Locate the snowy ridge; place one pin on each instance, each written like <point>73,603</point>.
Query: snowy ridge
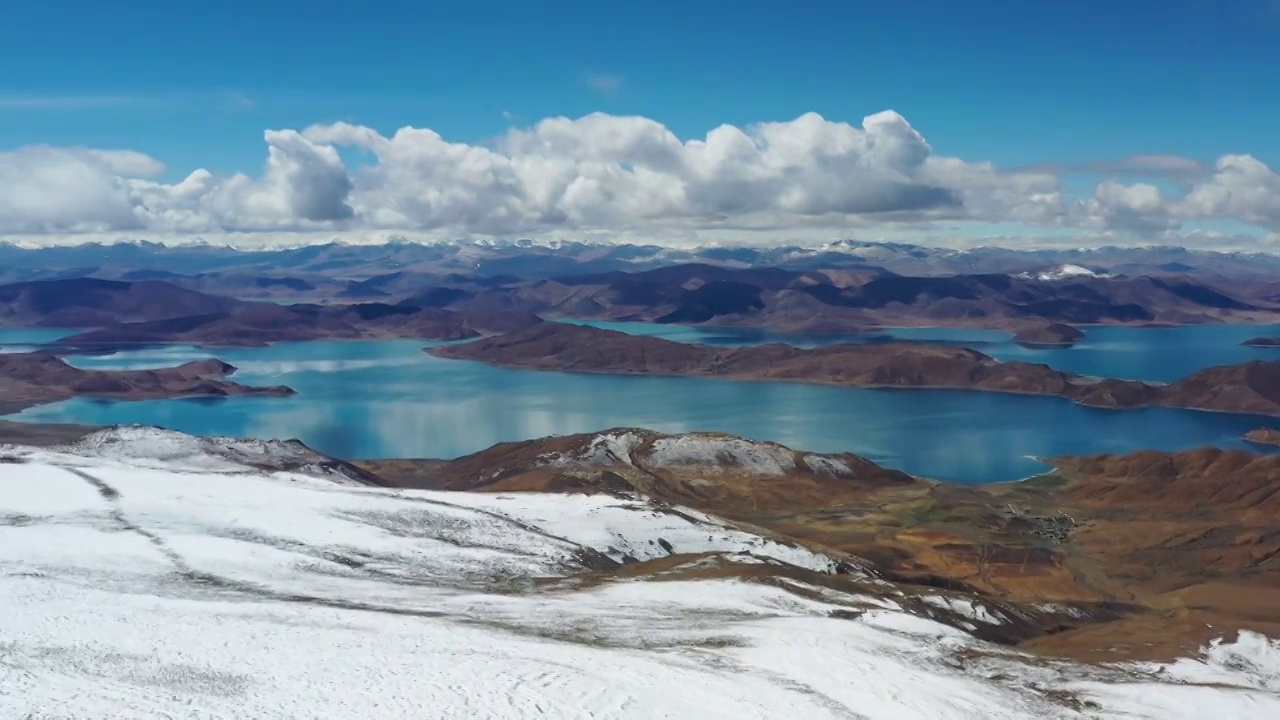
<point>141,446</point>
<point>604,449</point>
<point>709,452</point>
<point>756,458</point>
<point>146,592</point>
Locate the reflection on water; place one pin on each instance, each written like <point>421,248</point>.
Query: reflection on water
<point>389,399</point>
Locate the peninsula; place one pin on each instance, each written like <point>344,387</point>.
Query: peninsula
<point>30,379</point>
<point>1251,388</point>
<point>1263,342</point>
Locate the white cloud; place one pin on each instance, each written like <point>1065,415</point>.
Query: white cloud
<point>129,164</point>
<point>303,186</point>
<point>617,176</point>
<point>1241,188</point>
<point>46,189</point>
<point>1139,208</point>
<point>610,172</point>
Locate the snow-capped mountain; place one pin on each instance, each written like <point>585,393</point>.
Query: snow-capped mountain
<point>1065,271</point>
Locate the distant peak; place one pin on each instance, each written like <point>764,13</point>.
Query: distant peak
<point>1066,271</point>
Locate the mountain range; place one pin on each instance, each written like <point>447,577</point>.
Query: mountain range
<point>531,260</point>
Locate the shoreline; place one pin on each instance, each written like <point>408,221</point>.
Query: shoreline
<point>38,433</point>
<point>833,383</point>
<point>1000,327</point>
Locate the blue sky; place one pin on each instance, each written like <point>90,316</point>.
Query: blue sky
<point>1015,83</point>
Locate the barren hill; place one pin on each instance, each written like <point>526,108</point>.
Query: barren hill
<point>1249,388</point>
<point>28,379</point>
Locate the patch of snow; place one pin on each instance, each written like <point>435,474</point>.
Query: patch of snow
<point>625,528</point>
<point>840,598</point>
<point>157,447</point>
<point>828,465</point>
<point>604,449</point>
<point>1245,674</point>
<point>1065,271</point>
<point>965,608</point>
<point>757,458</point>
<point>150,447</point>
<point>1069,611</point>
<point>1253,654</point>
<point>720,559</point>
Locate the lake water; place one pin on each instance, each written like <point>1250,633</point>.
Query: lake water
<point>389,399</point>
<point>15,340</point>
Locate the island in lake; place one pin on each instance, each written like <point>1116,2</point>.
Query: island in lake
<point>1051,335</point>
<point>1263,436</point>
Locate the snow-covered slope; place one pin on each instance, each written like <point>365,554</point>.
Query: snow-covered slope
<point>705,453</point>
<point>213,592</point>
<point>626,529</point>
<point>141,446</point>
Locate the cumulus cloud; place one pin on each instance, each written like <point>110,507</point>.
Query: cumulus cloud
<point>604,171</point>
<point>618,176</point>
<point>1139,208</point>
<point>1241,188</point>
<point>46,189</point>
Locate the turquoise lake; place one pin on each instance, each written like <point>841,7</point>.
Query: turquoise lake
<point>389,399</point>
<point>27,339</point>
